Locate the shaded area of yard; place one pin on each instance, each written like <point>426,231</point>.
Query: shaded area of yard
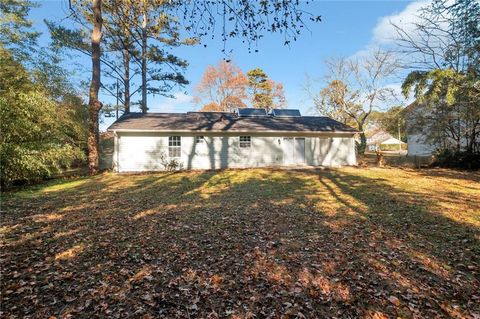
<point>238,243</point>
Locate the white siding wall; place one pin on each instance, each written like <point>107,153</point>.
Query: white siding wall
<point>142,151</point>
<point>418,146</point>
<point>331,151</point>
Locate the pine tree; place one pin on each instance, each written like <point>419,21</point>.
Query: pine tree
<point>264,92</point>
<point>260,89</point>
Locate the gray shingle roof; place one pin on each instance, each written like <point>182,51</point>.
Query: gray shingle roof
<point>222,121</point>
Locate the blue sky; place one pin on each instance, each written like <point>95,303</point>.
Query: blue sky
<point>347,28</point>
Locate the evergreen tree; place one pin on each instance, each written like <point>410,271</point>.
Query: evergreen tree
<point>138,68</point>
<point>265,93</point>
<point>260,88</point>
<point>15,28</point>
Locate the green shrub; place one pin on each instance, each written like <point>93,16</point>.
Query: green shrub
<point>454,159</point>
<point>33,141</point>
<point>41,132</point>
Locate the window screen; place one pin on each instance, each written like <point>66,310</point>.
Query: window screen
<point>174,146</point>
<point>245,141</point>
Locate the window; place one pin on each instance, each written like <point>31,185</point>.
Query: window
<point>174,146</point>
<point>245,141</point>
<point>199,139</point>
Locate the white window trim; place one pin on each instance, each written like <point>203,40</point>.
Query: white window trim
<point>175,147</point>
<point>199,139</point>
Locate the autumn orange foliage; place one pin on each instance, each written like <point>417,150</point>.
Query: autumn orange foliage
<point>223,86</point>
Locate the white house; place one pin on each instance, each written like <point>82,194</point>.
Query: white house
<point>418,143</point>
<point>376,138</point>
<point>429,131</point>
<point>212,140</point>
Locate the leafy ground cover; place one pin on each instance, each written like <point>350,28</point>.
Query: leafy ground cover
<point>254,243</point>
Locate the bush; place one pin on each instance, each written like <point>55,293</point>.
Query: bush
<point>455,159</point>
<point>170,164</point>
<point>173,165</point>
<point>33,142</point>
<point>41,133</point>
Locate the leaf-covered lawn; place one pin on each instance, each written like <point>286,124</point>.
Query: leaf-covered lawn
<point>245,244</point>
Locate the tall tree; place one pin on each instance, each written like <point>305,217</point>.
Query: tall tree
<point>444,51</point>
<point>449,115</point>
<point>222,88</point>
<point>94,104</point>
<point>226,88</point>
<point>116,61</point>
<point>152,30</point>
<point>261,88</point>
<point>264,92</point>
<point>356,87</point>
<point>445,35</point>
<point>130,49</point>
<point>278,95</point>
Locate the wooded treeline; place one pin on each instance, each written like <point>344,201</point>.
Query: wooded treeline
<point>445,82</point>
<point>42,115</point>
<point>439,57</point>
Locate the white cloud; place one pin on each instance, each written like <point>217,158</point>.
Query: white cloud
<point>384,32</point>
<point>180,103</point>
<point>383,37</point>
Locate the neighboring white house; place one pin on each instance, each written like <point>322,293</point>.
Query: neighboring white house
<point>377,137</point>
<point>427,131</point>
<point>418,145</point>
<point>212,140</point>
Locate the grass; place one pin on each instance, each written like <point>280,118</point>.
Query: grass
<point>373,243</point>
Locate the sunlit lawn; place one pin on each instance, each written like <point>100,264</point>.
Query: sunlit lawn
<point>245,244</point>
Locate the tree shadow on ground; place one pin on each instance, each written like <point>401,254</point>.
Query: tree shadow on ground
<point>453,174</point>
<point>237,243</point>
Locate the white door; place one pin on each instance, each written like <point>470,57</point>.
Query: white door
<point>299,150</point>
<point>293,150</point>
<point>288,151</point>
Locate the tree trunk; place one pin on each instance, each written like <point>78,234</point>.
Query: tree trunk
<point>94,105</point>
<point>471,140</point>
<point>363,140</point>
<point>363,143</point>
<point>126,80</point>
<point>144,64</point>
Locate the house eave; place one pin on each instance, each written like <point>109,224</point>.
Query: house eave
<point>233,132</point>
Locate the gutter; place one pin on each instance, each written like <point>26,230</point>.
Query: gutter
<point>231,132</point>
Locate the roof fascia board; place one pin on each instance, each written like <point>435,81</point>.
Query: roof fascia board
<point>232,132</point>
